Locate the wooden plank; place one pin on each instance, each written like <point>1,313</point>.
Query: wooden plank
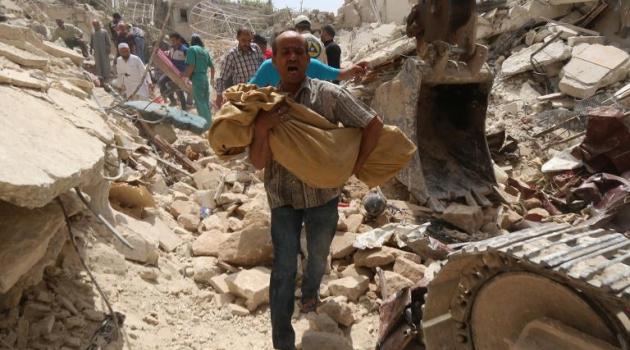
<point>166,147</point>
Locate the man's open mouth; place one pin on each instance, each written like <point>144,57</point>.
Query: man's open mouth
<point>292,69</point>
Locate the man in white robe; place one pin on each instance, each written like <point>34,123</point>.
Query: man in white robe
<point>130,71</point>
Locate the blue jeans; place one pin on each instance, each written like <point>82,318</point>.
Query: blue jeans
<point>286,225</point>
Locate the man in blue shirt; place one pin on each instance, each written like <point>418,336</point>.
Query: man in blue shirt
<point>177,54</point>
<point>267,74</point>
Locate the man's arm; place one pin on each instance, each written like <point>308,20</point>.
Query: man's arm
<point>260,78</point>
<point>353,71</point>
<point>259,151</point>
<point>227,70</point>
<point>56,35</point>
<point>369,139</point>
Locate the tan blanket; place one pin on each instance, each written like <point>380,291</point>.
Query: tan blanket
<point>318,152</point>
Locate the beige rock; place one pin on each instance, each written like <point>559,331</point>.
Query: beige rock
<point>23,58</point>
<point>230,198</point>
<point>219,284</point>
<point>205,198</point>
<point>253,285</point>
<point>351,287</point>
<point>140,235</point>
<point>323,323</point>
<point>519,62</point>
<point>338,309</point>
<point>532,203</point>
<point>167,239</point>
<point>353,222</point>
<point>409,269</point>
<point>313,340</point>
<point>467,218</point>
<point>189,221</point>
<point>214,222</point>
<point>508,218</point>
<point>249,247</point>
<point>184,188</point>
<point>393,283</point>
<point>375,257</point>
<point>205,268</point>
<point>342,245</point>
<point>26,234</point>
<point>353,270</point>
<point>254,207</point>
<point>103,258</point>
<point>224,299</point>
<point>180,207</point>
<point>61,52</point>
<point>207,179</point>
<point>208,244</point>
<point>234,224</point>
<point>238,310</point>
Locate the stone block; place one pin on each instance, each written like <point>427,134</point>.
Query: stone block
<point>409,269</point>
<point>338,309</point>
<point>208,244</point>
<point>252,285</point>
<point>205,268</point>
<point>465,217</point>
<point>350,287</point>
<point>342,245</point>
<point>375,257</point>
<point>23,58</point>
<point>249,247</point>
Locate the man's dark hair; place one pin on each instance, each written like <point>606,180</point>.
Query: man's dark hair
<point>116,15</point>
<point>274,42</point>
<point>260,40</point>
<point>330,30</point>
<point>242,30</point>
<point>196,40</point>
<point>175,36</point>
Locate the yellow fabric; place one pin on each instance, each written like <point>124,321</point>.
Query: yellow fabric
<point>320,153</point>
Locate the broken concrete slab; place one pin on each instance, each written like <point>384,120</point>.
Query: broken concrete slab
<point>22,79</point>
<point>24,240</point>
<point>253,285</point>
<point>351,287</point>
<point>393,283</point>
<point>23,58</point>
<point>591,68</point>
<point>39,164</point>
<point>577,40</point>
<point>520,62</point>
<point>219,284</point>
<point>62,52</point>
<point>139,234</point>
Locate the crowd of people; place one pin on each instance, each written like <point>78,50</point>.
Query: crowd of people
<point>250,61</point>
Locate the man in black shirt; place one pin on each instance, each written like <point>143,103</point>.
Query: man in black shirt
<point>333,51</point>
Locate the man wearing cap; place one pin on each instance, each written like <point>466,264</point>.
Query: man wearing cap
<point>71,36</point>
<point>316,48</point>
<point>240,64</point>
<point>131,75</point>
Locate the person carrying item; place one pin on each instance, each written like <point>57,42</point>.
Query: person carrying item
<point>177,55</point>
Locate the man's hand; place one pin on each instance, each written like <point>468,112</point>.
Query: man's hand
<point>356,70</point>
<point>218,102</point>
<point>267,120</point>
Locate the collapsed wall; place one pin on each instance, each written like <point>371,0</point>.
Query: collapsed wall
<point>52,139</point>
<point>355,12</point>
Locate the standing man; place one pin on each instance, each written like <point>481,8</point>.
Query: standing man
<point>123,36</point>
<point>316,48</point>
<point>262,43</point>
<point>71,36</point>
<point>240,63</point>
<point>100,44</point>
<point>131,75</point>
<point>138,39</point>
<point>292,202</point>
<point>177,55</point>
<point>198,61</point>
<point>113,25</point>
<point>333,51</point>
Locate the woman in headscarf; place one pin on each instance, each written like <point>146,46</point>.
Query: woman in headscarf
<point>198,60</point>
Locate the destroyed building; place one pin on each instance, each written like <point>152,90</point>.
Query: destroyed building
<point>533,156</point>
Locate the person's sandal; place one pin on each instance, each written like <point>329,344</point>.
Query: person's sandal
<point>309,305</point>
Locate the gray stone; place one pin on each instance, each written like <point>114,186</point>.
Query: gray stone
<point>520,62</point>
<point>577,40</point>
